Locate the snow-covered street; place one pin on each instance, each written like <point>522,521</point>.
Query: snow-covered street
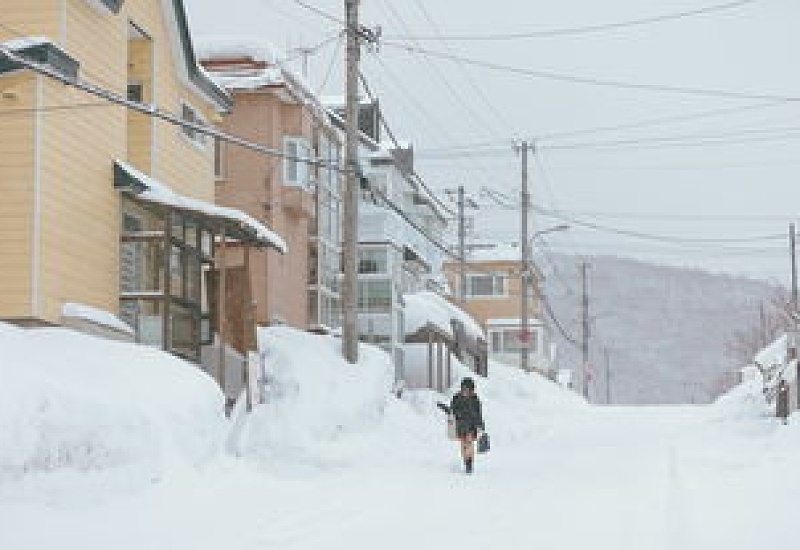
<point>93,456</point>
<point>613,478</point>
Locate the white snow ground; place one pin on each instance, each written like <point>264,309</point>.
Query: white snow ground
<point>351,467</point>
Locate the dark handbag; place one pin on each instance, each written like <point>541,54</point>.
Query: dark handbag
<point>483,443</point>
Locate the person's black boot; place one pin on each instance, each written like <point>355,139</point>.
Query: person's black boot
<point>468,464</point>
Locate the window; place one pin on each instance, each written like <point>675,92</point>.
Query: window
<point>296,171</point>
<point>136,92</point>
<point>508,340</point>
<point>373,261</point>
<point>219,159</point>
<point>486,285</point>
<point>190,114</point>
<point>375,296</point>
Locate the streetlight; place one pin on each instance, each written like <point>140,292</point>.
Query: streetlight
<point>525,278</point>
<point>537,234</point>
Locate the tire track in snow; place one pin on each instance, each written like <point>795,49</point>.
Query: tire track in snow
<point>679,520</point>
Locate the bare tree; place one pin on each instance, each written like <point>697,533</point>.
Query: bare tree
<point>774,318</point>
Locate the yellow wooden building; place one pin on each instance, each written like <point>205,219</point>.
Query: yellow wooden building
<point>102,205</point>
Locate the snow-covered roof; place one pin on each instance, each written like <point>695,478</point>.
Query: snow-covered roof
<point>96,316</point>
<point>512,322</point>
<point>502,252</point>
<point>273,70</point>
<point>233,46</point>
<point>157,192</point>
<point>424,308</point>
<point>28,42</point>
<point>271,76</point>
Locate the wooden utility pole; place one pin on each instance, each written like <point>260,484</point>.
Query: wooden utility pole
<point>462,248</point>
<point>793,251</point>
<point>586,329</point>
<point>525,261</point>
<point>351,188</point>
<point>607,357</point>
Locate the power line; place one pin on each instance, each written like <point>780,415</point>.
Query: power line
<point>475,116</point>
<point>396,143</point>
<point>777,135</point>
<point>410,97</point>
<point>54,108</point>
<point>156,112</point>
<point>589,81</point>
<point>300,52</point>
<point>465,71</point>
<point>629,233</point>
<point>601,27</point>
<point>652,237</point>
<point>332,63</point>
<point>322,13</point>
<point>551,314</point>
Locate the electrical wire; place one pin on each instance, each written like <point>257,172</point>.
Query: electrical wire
<point>635,234</point>
<point>320,12</point>
<point>490,105</point>
<point>396,143</point>
<point>408,96</point>
<point>476,117</point>
<point>156,112</point>
<point>331,64</point>
<point>587,29</point>
<point>590,81</point>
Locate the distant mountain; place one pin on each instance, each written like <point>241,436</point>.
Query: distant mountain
<point>665,328</point>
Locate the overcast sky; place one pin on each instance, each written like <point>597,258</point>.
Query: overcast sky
<point>724,167</point>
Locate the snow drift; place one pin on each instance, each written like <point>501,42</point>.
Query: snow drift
<point>322,411</point>
<point>72,402</point>
<point>313,397</point>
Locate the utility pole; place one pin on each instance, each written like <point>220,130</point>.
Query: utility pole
<point>607,356</point>
<point>351,188</point>
<point>793,341</point>
<point>462,251</point>
<point>586,329</point>
<point>525,261</point>
<point>793,251</point>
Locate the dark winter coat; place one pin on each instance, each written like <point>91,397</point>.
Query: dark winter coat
<point>467,410</point>
<point>782,401</point>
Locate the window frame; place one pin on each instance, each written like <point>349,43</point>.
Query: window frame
<point>191,114</point>
<point>302,149</point>
<point>497,278</point>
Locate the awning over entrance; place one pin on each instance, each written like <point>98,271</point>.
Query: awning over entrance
<point>147,189</point>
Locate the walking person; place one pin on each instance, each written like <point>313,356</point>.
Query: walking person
<point>466,407</point>
<point>782,402</point>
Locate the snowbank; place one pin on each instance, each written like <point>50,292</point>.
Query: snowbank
<point>324,412</point>
<point>744,401</point>
<point>313,397</point>
<point>75,403</point>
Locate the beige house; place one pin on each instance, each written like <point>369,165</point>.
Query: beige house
<point>300,200</point>
<point>103,206</point>
<point>492,297</point>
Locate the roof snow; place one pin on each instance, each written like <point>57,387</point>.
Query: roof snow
<point>96,316</point>
<point>503,252</point>
<point>424,308</point>
<point>227,46</point>
<point>159,193</point>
